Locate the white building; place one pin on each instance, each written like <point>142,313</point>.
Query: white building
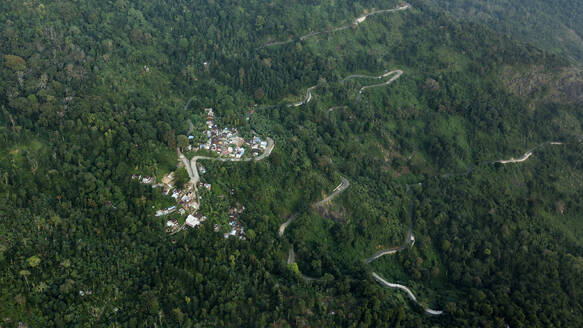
<point>192,221</point>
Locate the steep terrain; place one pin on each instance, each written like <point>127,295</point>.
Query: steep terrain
<point>433,148</point>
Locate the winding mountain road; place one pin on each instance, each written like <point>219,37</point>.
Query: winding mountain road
<point>192,168</point>
<point>343,186</point>
<point>384,252</point>
<point>306,100</point>
<point>355,22</point>
<point>407,290</point>
<point>391,80</point>
<point>291,258</point>
<point>284,225</point>
<point>308,97</point>
<point>528,153</point>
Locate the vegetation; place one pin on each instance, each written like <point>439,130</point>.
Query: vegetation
<point>555,26</point>
<point>93,92</point>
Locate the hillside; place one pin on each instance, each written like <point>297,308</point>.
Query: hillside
<point>555,26</point>
<point>404,144</point>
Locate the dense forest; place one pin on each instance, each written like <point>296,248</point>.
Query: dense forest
<point>556,26</point>
<point>92,93</point>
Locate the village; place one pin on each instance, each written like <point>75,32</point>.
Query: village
<point>226,144</point>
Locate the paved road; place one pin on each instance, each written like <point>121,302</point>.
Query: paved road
<point>192,168</point>
<point>408,239</point>
<point>407,290</point>
<point>284,225</point>
<point>361,76</point>
<point>343,186</point>
<point>190,125</point>
<point>291,256</point>
<point>355,22</point>
<point>306,100</point>
<point>185,161</point>
<point>528,153</point>
<point>384,252</point>
<point>391,80</point>
<point>335,108</point>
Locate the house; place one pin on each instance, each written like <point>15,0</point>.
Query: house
<point>239,152</point>
<point>237,141</point>
<point>192,221</point>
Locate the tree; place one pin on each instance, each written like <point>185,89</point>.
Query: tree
<point>181,177</point>
<point>182,141</point>
<point>33,261</point>
<point>15,63</point>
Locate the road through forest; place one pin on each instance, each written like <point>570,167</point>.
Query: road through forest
<point>355,22</point>
<point>192,168</point>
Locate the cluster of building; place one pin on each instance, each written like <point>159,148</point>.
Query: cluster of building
<point>143,179</point>
<point>195,219</point>
<point>166,211</point>
<point>185,198</point>
<point>226,142</point>
<point>235,224</point>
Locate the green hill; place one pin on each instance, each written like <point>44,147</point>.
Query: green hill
<point>92,93</point>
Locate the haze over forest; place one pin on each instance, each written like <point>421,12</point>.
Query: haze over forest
<point>369,163</point>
